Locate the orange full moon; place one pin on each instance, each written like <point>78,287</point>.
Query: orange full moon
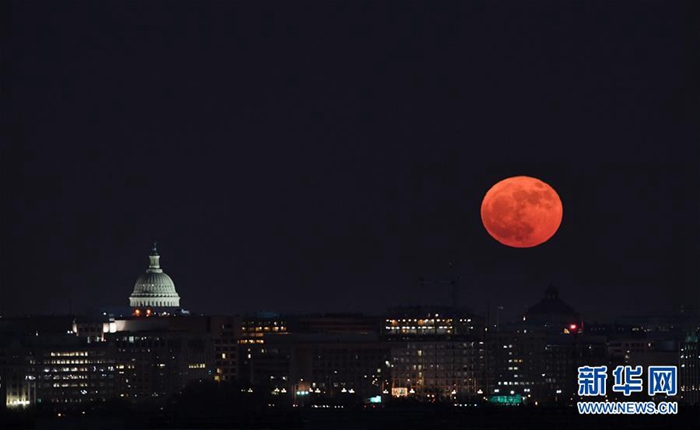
<point>521,212</point>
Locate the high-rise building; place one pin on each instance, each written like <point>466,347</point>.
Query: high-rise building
<point>254,331</point>
<point>517,363</point>
<point>225,333</point>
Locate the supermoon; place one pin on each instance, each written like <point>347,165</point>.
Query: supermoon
<point>521,212</point>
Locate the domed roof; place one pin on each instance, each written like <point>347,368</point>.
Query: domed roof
<point>154,288</point>
<point>154,285</point>
<point>551,304</point>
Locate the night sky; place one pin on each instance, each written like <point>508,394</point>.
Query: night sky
<point>322,156</point>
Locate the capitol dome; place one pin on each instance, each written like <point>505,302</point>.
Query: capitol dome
<point>154,288</point>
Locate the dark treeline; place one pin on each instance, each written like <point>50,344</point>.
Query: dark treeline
<point>209,405</point>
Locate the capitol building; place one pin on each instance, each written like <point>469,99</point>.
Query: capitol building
<point>154,289</point>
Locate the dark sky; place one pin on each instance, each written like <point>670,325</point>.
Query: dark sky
<point>321,156</point>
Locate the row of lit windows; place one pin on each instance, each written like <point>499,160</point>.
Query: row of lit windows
<point>66,385</point>
<point>443,384</point>
<point>441,345</point>
<point>197,366</point>
<point>92,361</point>
<point>264,322</point>
<point>70,354</point>
<point>431,373</point>
<point>265,328</point>
<point>66,376</point>
<point>419,320</point>
<point>67,369</point>
<point>439,358</point>
<point>76,400</point>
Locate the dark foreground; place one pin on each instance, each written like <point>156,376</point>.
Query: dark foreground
<point>393,417</point>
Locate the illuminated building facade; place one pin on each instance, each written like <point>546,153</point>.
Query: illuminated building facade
<point>269,361</point>
<point>340,366</point>
<point>518,365</point>
<point>439,369</point>
<point>343,365</point>
<point>17,375</point>
<point>92,330</point>
<point>255,328</point>
<point>225,333</point>
<point>436,353</point>
<point>539,365</point>
<point>429,354</point>
<point>409,322</point>
<point>154,365</point>
<point>75,375</point>
<point>61,370</point>
<point>159,355</point>
<point>18,389</point>
<point>154,289</point>
<point>269,366</point>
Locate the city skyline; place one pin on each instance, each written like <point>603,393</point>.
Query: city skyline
<point>149,356</point>
<point>349,214</point>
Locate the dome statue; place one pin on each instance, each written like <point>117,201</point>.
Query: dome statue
<point>154,288</point>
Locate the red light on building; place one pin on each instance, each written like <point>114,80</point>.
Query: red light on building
<point>148,312</point>
<point>137,312</point>
<point>573,327</point>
